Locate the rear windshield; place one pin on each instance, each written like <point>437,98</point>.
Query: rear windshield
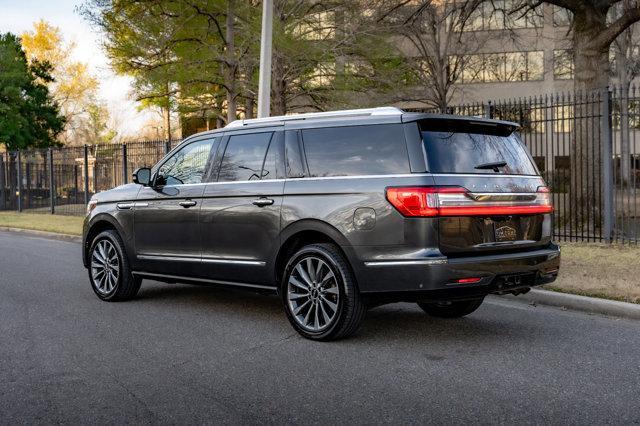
<point>456,152</point>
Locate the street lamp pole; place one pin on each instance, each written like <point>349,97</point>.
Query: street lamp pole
<point>266,41</point>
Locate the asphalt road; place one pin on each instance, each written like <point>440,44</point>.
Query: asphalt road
<point>187,354</point>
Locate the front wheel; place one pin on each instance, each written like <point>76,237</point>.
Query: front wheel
<point>320,295</point>
<point>451,309</point>
<point>109,271</point>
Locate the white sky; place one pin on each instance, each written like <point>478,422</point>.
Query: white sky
<point>17,16</point>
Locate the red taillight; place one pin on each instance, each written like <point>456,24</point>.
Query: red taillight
<point>431,201</point>
<point>470,280</point>
<point>418,201</point>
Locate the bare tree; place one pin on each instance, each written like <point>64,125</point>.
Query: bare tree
<point>438,47</point>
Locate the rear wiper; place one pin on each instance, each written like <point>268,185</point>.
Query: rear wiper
<point>494,166</point>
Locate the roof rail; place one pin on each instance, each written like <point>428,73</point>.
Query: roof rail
<point>317,115</point>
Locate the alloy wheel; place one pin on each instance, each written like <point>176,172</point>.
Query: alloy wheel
<point>313,294</point>
<point>105,267</point>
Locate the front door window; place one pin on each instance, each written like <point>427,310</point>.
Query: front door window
<point>187,166</point>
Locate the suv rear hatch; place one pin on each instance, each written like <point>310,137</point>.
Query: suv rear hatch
<point>488,195</point>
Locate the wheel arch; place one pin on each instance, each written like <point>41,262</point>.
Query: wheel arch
<point>98,224</point>
<point>309,231</point>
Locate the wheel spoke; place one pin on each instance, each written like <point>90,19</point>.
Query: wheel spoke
<point>296,296</point>
<point>326,317</point>
<point>303,274</point>
<point>306,317</point>
<point>97,256</point>
<point>301,307</point>
<point>327,278</point>
<point>332,305</point>
<point>293,280</point>
<point>103,252</point>
<point>311,269</point>
<point>331,290</point>
<point>316,323</point>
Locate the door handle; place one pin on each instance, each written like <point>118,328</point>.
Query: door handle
<point>262,202</point>
<point>188,203</point>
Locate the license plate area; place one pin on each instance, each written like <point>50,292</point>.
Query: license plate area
<point>505,230</point>
<point>516,280</point>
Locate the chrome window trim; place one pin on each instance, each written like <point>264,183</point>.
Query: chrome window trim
<point>404,175</point>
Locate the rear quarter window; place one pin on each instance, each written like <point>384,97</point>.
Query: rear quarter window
<point>356,150</point>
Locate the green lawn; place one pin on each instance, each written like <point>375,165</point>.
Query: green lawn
<point>598,270</point>
<point>71,225</point>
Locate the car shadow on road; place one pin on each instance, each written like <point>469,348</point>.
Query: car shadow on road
<point>394,322</point>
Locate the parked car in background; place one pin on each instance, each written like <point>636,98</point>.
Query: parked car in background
<point>336,212</point>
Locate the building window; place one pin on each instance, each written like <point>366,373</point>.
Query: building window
<point>501,67</point>
<point>562,17</point>
<point>563,64</point>
<point>496,15</point>
<point>563,119</point>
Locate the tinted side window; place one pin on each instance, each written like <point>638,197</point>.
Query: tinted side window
<point>269,169</point>
<point>356,150</point>
<point>293,162</point>
<point>244,157</point>
<point>186,166</point>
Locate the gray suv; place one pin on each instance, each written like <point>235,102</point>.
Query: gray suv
<point>335,212</point>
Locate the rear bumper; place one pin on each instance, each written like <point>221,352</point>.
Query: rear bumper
<point>433,278</point>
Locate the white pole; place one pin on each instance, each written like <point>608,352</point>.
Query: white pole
<point>264,87</point>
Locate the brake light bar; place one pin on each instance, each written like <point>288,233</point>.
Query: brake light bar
<point>433,201</point>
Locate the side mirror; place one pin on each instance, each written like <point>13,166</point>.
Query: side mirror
<point>142,176</point>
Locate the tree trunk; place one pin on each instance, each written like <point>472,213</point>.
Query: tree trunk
<point>278,86</point>
<point>591,77</point>
<point>167,121</point>
<point>248,108</point>
<point>231,65</point>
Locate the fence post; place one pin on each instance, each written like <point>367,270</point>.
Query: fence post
<point>488,110</point>
<point>3,201</point>
<point>167,147</point>
<point>52,184</point>
<point>607,167</point>
<point>85,174</point>
<point>19,168</point>
<point>125,173</point>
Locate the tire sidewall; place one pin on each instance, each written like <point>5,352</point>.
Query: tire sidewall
<point>340,275</point>
<point>107,235</point>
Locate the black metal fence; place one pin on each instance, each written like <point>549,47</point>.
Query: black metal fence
<point>61,180</point>
<point>596,199</point>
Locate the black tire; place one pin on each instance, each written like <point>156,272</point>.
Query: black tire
<point>125,285</point>
<point>451,309</point>
<point>341,288</point>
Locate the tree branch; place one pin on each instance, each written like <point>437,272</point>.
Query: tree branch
<point>606,37</point>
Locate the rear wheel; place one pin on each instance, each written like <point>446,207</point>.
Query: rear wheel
<point>109,271</point>
<point>319,294</point>
<point>450,309</point>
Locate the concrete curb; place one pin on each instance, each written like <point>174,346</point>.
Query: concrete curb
<point>43,234</point>
<point>579,303</point>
